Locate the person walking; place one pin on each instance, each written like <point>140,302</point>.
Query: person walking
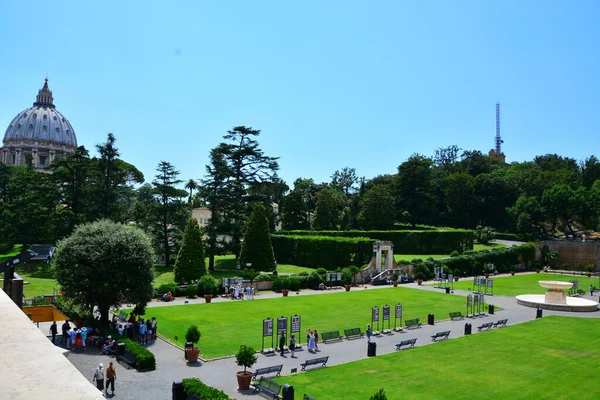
<point>310,339</point>
<point>65,332</point>
<point>111,375</point>
<point>369,332</point>
<point>292,345</point>
<point>316,339</point>
<point>99,377</point>
<point>53,331</point>
<point>282,342</point>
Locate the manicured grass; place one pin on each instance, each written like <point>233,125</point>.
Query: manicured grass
<point>227,325</point>
<point>526,283</point>
<point>224,267</point>
<point>290,269</point>
<point>39,287</point>
<point>15,250</point>
<point>549,358</point>
<point>410,257</point>
<point>490,246</point>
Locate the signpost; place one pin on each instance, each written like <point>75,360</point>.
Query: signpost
<point>398,317</point>
<point>386,317</point>
<point>267,331</point>
<point>295,327</point>
<point>375,319</point>
<point>469,306</point>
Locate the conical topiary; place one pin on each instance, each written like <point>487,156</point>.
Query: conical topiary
<point>256,248</point>
<point>190,264</point>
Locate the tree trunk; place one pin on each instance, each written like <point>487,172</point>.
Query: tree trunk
<point>103,313</point>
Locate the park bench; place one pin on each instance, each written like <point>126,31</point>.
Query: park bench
<point>412,323</point>
<point>409,342</point>
<point>307,397</point>
<point>268,386</point>
<point>123,315</point>
<point>314,361</point>
<point>332,335</point>
<point>487,325</point>
<point>438,335</point>
<point>354,332</point>
<point>456,315</point>
<point>128,358</point>
<point>267,370</point>
<point>500,323</point>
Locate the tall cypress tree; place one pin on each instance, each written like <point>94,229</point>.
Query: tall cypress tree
<point>256,247</point>
<point>190,264</point>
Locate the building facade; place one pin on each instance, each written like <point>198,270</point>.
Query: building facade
<point>40,131</point>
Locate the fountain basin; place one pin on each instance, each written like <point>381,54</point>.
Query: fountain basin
<point>556,285</point>
<point>574,304</point>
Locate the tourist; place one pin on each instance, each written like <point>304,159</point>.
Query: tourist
<point>143,331</point>
<point>252,293</point>
<point>369,332</point>
<point>84,332</point>
<point>226,290</point>
<point>282,342</point>
<point>78,340</point>
<point>592,290</point>
<point>248,290</point>
<point>316,334</point>
<point>99,377</point>
<point>53,331</point>
<point>72,335</point>
<point>154,325</point>
<point>310,339</point>
<point>65,332</point>
<point>111,375</point>
<point>148,331</point>
<point>292,345</point>
<point>108,345</point>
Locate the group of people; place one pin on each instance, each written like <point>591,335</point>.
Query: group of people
<point>238,292</point>
<point>143,331</point>
<point>72,337</point>
<point>110,374</point>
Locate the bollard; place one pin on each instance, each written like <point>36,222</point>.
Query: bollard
<point>491,309</point>
<point>178,393</point>
<point>447,290</point>
<point>538,313</point>
<point>430,319</point>
<point>371,349</point>
<point>467,329</point>
<point>288,392</point>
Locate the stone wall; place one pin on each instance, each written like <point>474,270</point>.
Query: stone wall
<point>574,253</point>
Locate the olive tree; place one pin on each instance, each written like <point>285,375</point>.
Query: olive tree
<point>103,260</point>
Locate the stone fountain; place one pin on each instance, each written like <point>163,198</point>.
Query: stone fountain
<point>556,299</point>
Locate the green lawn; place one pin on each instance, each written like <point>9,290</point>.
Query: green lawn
<point>39,287</point>
<point>224,267</point>
<point>476,247</point>
<point>491,246</point>
<point>525,361</point>
<point>15,250</point>
<point>227,325</point>
<point>290,269</point>
<point>526,283</point>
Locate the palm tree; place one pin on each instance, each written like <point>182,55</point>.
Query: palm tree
<point>191,185</point>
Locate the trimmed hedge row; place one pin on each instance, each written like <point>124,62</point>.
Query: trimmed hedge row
<point>197,387</point>
<point>322,251</point>
<point>504,259</point>
<point>144,358</point>
<point>411,242</point>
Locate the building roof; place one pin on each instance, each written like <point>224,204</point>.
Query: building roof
<point>41,123</point>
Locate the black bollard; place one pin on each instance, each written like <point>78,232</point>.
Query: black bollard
<point>538,313</point>
<point>490,309</point>
<point>178,392</point>
<point>467,329</point>
<point>288,392</point>
<point>430,319</point>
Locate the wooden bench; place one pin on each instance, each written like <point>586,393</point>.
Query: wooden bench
<point>332,335</point>
<point>487,325</point>
<point>439,335</point>
<point>307,397</point>
<point>314,361</point>
<point>412,323</point>
<point>267,370</point>
<point>409,342</point>
<point>268,386</point>
<point>456,315</point>
<point>354,332</point>
<point>500,323</point>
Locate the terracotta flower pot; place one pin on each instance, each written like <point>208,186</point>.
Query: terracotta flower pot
<point>347,287</point>
<point>285,292</point>
<point>395,283</point>
<point>512,273</point>
<point>419,281</point>
<point>244,379</point>
<point>192,354</point>
<point>208,297</point>
<point>456,279</point>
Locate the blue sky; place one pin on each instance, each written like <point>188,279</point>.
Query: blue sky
<point>329,83</point>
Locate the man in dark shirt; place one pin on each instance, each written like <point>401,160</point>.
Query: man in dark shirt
<point>53,331</point>
<point>65,332</point>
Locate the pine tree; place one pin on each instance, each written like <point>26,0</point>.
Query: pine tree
<point>189,264</point>
<point>256,248</point>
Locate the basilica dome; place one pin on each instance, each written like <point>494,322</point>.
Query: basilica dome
<point>41,131</point>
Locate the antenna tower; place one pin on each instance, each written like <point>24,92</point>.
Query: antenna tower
<point>499,140</point>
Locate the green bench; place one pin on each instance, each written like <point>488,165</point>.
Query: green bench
<point>307,397</point>
<point>332,335</point>
<point>314,361</point>
<point>409,343</point>
<point>456,315</point>
<point>500,323</point>
<point>412,323</point>
<point>268,386</point>
<point>439,335</point>
<point>353,332</point>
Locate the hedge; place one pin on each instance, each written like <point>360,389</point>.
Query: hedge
<point>411,242</point>
<point>505,259</point>
<point>197,387</point>
<point>144,358</point>
<point>322,251</point>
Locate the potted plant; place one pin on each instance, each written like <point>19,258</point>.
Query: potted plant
<point>192,336</point>
<point>512,272</point>
<point>395,276</point>
<point>285,286</point>
<point>346,279</point>
<point>456,274</point>
<point>246,358</point>
<point>190,291</point>
<point>209,287</point>
<point>589,268</point>
<point>420,278</point>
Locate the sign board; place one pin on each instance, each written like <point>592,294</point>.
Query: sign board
<point>240,281</point>
<point>386,312</point>
<point>339,276</point>
<point>328,277</point>
<point>476,300</point>
<point>295,324</point>
<point>399,311</point>
<point>469,299</point>
<point>375,314</point>
<point>225,280</point>
<point>281,325</point>
<point>267,327</point>
<point>490,283</point>
<point>232,281</point>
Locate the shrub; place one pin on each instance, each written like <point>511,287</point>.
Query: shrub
<point>380,395</point>
<point>246,357</point>
<point>192,334</point>
<point>456,272</point>
<point>263,277</point>
<point>189,264</point>
<point>190,291</point>
<point>303,273</point>
<point>346,276</point>
<point>207,285</point>
<point>321,271</point>
<point>197,387</point>
<point>45,272</point>
<point>455,254</point>
<point>166,288</point>
<point>144,358</point>
<point>256,247</point>
<point>281,283</point>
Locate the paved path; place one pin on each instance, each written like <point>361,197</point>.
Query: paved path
<point>171,365</point>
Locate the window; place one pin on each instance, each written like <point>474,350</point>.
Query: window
<point>43,160</point>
